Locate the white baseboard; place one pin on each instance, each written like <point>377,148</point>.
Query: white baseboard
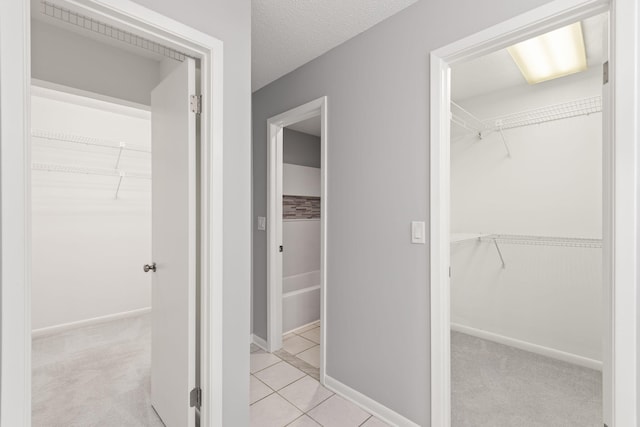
<point>259,342</point>
<point>371,406</point>
<point>530,347</point>
<point>300,291</point>
<point>302,327</point>
<point>50,330</point>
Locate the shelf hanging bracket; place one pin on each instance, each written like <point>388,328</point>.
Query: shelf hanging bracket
<point>495,242</point>
<point>122,145</point>
<point>122,175</point>
<point>504,140</point>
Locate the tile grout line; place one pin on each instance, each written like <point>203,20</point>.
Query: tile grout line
<point>365,421</point>
<point>303,412</point>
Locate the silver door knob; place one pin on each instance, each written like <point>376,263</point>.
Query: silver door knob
<point>148,267</point>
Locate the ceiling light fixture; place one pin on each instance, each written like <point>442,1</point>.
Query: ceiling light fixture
<point>555,54</point>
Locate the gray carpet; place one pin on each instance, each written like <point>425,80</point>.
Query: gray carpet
<point>94,376</point>
<point>500,386</point>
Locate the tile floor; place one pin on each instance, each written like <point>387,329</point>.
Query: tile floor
<point>285,390</point>
<point>304,344</point>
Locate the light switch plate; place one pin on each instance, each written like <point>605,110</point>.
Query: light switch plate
<point>418,232</point>
<point>262,223</point>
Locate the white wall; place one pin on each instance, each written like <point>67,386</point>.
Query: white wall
<point>300,180</point>
<point>301,261</point>
<point>89,248</point>
<point>72,59</point>
<point>551,186</point>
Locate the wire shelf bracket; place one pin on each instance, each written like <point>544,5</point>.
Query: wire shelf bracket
<point>466,120</point>
<point>122,175</point>
<point>495,243</point>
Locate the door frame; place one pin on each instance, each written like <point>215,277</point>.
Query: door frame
<point>620,238</point>
<point>15,170</point>
<point>275,126</point>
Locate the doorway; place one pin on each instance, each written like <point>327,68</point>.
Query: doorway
<point>526,284</point>
<point>181,104</point>
<point>126,189</point>
<point>302,213</point>
<point>617,391</point>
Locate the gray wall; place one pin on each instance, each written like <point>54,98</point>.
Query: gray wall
<point>300,148</point>
<point>230,21</point>
<point>67,58</point>
<point>378,170</point>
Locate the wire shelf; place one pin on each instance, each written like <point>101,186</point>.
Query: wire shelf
<point>466,120</point>
<point>573,242</point>
<point>91,24</point>
<point>53,167</point>
<point>565,110</point>
<point>87,140</point>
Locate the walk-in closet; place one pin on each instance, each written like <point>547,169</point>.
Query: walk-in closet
<point>526,236</point>
<point>100,122</point>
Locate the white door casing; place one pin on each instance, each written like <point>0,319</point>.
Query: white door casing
<point>275,126</point>
<point>173,231</point>
<point>608,190</point>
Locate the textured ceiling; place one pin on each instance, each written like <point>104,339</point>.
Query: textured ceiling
<point>497,70</point>
<point>289,33</point>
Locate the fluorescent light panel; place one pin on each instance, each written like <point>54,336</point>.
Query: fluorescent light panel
<point>555,54</point>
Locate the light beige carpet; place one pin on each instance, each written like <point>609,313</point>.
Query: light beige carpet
<point>494,385</point>
<point>94,376</point>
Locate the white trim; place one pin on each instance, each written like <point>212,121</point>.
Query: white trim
<point>63,327</point>
<point>259,342</point>
<point>530,347</point>
<point>385,414</point>
<point>15,202</point>
<point>300,291</point>
<point>300,328</point>
<point>274,221</point>
<point>15,75</point>
<point>624,72</point>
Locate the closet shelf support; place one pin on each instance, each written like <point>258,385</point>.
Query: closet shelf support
<point>122,174</point>
<point>122,145</point>
<point>495,242</point>
<point>504,141</point>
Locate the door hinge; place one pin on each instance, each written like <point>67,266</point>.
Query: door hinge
<point>195,397</point>
<point>605,73</point>
<point>196,104</point>
<point>281,248</point>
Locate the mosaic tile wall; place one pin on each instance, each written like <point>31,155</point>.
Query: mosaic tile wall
<point>300,207</point>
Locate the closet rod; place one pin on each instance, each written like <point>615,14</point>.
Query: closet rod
<point>52,167</point>
<point>70,17</point>
<point>86,140</point>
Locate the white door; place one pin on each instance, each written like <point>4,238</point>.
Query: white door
<point>173,247</point>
